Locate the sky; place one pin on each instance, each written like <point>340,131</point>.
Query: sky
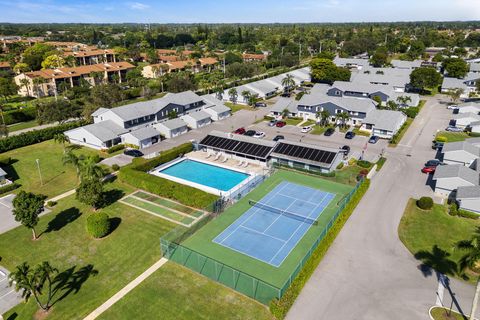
<point>234,11</point>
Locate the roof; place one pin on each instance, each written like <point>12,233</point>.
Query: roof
<point>103,131</point>
<point>466,115</point>
<point>144,133</point>
<point>198,115</point>
<point>457,171</point>
<point>4,64</point>
<point>262,87</point>
<point>392,77</point>
<point>208,61</point>
<point>474,67</point>
<point>221,108</point>
<point>347,62</point>
<point>305,153</point>
<point>461,146</point>
<point>2,173</point>
<point>468,192</point>
<point>62,73</point>
<point>403,64</point>
<point>239,137</point>
<point>317,97</point>
<point>99,111</point>
<point>173,124</point>
<point>285,103</point>
<point>254,56</point>
<point>89,53</point>
<point>361,87</point>
<point>453,83</point>
<point>385,119</point>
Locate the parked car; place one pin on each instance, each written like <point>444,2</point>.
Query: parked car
<point>240,131</point>
<point>452,107</point>
<point>329,132</point>
<point>433,163</point>
<point>350,135</point>
<point>133,153</point>
<point>437,145</point>
<point>429,169</point>
<point>280,124</point>
<point>286,94</point>
<point>306,129</point>
<point>272,123</point>
<point>345,149</point>
<point>260,104</point>
<point>373,139</point>
<point>250,133</point>
<point>454,129</point>
<point>259,134</point>
<point>279,137</point>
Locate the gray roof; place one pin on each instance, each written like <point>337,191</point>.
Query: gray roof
<point>262,86</point>
<point>2,173</point>
<point>467,115</point>
<point>306,145</point>
<point>391,77</point>
<point>453,83</point>
<point>99,111</point>
<point>345,62</point>
<point>198,115</point>
<point>317,97</point>
<point>468,192</point>
<point>385,119</point>
<point>461,146</point>
<point>144,133</point>
<point>220,108</point>
<point>285,103</point>
<point>363,87</point>
<point>469,104</point>
<point>103,131</point>
<point>402,64</point>
<point>211,100</point>
<point>475,67</point>
<point>173,124</point>
<point>457,171</point>
<point>474,141</point>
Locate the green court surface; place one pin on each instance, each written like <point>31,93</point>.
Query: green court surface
<point>168,203</point>
<point>202,242</point>
<point>157,210</point>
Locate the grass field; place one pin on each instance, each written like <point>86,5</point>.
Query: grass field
<point>201,241</point>
<point>175,292</point>
<point>237,107</point>
<point>318,130</point>
<point>445,314</point>
<point>169,203</point>
<point>57,178</point>
<point>22,125</point>
<point>453,136</point>
<point>431,236</point>
<point>407,125</point>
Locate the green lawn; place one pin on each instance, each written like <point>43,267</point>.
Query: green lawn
<point>120,257</point>
<point>402,132</point>
<point>361,132</point>
<point>453,136</point>
<point>57,178</point>
<point>293,121</point>
<point>22,125</point>
<point>445,314</point>
<point>201,241</point>
<point>237,107</point>
<point>175,292</point>
<point>431,235</point>
<point>318,129</point>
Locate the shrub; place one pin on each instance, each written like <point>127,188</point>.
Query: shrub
<point>115,167</point>
<point>340,166</point>
<point>425,203</point>
<point>474,134</point>
<point>8,188</point>
<point>412,112</point>
<point>468,214</point>
<point>441,139</point>
<point>20,115</point>
<point>453,209</point>
<point>115,148</point>
<point>364,163</point>
<point>51,203</point>
<point>98,225</point>
<point>35,136</point>
<point>96,158</point>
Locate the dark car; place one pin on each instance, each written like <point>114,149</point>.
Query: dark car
<point>345,149</point>
<point>329,132</point>
<point>240,131</point>
<point>280,124</point>
<point>349,135</point>
<point>286,95</point>
<point>250,133</point>
<point>437,145</point>
<point>433,163</point>
<point>373,139</point>
<point>133,153</point>
<point>279,137</point>
<point>260,104</point>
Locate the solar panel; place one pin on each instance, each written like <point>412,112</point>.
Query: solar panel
<point>242,147</point>
<point>306,153</point>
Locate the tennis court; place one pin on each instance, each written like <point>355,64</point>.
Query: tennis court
<point>273,226</point>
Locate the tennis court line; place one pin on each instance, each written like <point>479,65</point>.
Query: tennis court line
<point>287,196</point>
<point>267,235</point>
<point>169,200</point>
<point>296,230</point>
<point>279,215</point>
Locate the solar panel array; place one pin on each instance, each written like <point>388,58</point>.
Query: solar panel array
<point>235,146</point>
<point>306,153</point>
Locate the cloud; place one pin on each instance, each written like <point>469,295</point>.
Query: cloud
<point>138,6</point>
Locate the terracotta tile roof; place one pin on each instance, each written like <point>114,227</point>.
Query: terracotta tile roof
<point>89,53</point>
<point>179,64</point>
<point>4,64</point>
<point>253,56</point>
<point>208,61</point>
<point>166,51</point>
<point>62,73</point>
<point>169,58</point>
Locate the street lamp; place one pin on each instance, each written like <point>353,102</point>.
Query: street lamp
<point>39,172</point>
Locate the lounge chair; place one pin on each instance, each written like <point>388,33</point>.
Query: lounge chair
<point>217,156</point>
<point>246,164</point>
<point>239,163</point>
<point>209,155</point>
<point>224,159</point>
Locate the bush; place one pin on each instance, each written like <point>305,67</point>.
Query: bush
<point>98,225</point>
<point>51,203</point>
<point>340,166</point>
<point>468,214</point>
<point>5,161</point>
<point>364,163</point>
<point>115,167</point>
<point>279,308</point>
<point>96,158</point>
<point>441,139</point>
<point>474,134</point>
<point>115,148</point>
<point>380,163</point>
<point>412,112</point>
<point>20,115</point>
<point>35,136</point>
<point>425,203</point>
<point>453,209</point>
<point>8,188</point>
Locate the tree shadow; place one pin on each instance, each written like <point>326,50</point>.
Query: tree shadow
<point>10,170</point>
<point>114,223</point>
<point>13,316</point>
<point>112,196</point>
<point>71,281</point>
<point>62,219</point>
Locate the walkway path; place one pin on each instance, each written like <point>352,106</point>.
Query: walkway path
<point>129,287</point>
<point>368,273</point>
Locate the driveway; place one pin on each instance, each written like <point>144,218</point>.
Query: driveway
<point>120,160</point>
<point>368,273</point>
<point>7,221</point>
<point>9,298</point>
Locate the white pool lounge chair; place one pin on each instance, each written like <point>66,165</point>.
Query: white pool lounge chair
<point>217,156</point>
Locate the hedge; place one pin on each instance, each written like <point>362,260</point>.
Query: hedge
<point>364,163</point>
<point>412,112</point>
<point>144,165</point>
<point>425,203</point>
<point>98,225</point>
<point>116,148</point>
<point>166,188</point>
<point>20,115</point>
<point>35,136</point>
<point>279,308</point>
<point>8,188</point>
<point>467,214</point>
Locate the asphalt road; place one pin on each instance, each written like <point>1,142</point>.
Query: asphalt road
<point>368,273</point>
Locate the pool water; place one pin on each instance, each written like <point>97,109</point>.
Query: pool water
<point>205,174</point>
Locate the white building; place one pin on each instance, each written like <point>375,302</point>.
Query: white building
<point>197,119</point>
<point>384,123</point>
<point>172,128</point>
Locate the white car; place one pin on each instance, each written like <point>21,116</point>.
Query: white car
<point>306,129</point>
<point>259,134</point>
<point>454,129</point>
<point>452,107</point>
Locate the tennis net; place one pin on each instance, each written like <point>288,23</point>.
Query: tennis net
<point>295,216</point>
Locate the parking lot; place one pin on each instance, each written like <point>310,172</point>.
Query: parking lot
<point>7,221</point>
<point>8,296</point>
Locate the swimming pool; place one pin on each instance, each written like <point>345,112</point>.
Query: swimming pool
<point>204,174</point>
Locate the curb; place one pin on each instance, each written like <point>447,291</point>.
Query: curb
<point>430,312</point>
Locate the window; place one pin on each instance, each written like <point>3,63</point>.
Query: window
<point>84,140</point>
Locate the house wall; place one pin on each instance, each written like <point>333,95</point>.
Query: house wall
<point>309,112</point>
<point>470,205</point>
<point>445,186</point>
<point>167,133</point>
<point>82,137</point>
<point>458,157</point>
<point>109,115</point>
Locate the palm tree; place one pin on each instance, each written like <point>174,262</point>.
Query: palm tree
<point>288,83</point>
<point>89,170</point>
<point>323,117</point>
<point>343,117</point>
<point>403,100</point>
<point>285,113</point>
<point>97,77</point>
<point>61,138</point>
<point>70,158</point>
<point>392,105</point>
<point>25,83</point>
<point>219,93</point>
<point>455,94</point>
<point>471,260</point>
<point>246,95</point>
<point>233,94</point>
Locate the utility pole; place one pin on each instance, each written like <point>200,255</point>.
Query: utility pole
<point>39,172</point>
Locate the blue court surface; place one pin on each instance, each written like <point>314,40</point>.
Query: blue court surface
<point>270,236</point>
